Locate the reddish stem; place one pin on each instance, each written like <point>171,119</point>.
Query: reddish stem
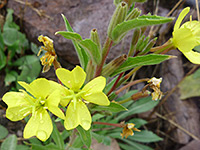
<point>109,124</point>
<point>99,68</point>
<point>115,84</point>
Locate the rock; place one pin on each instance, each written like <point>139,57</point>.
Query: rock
<point>184,113</point>
<point>99,146</point>
<point>194,145</point>
<point>83,16</point>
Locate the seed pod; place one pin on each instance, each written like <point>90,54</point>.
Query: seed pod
<point>118,17</point>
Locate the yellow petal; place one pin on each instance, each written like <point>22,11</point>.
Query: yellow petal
<point>96,85</point>
<point>79,116</point>
<point>19,112</point>
<point>72,118</point>
<point>63,92</point>
<point>98,98</point>
<point>194,57</point>
<point>38,88</point>
<point>184,40</point>
<point>39,125</point>
<point>183,13</point>
<point>52,103</point>
<point>13,99</point>
<point>72,79</point>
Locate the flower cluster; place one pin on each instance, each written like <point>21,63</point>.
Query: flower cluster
<point>42,95</point>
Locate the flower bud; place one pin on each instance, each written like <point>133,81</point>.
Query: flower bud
<point>113,65</point>
<point>94,36</point>
<point>148,46</point>
<point>133,14</point>
<point>136,36</point>
<point>118,17</point>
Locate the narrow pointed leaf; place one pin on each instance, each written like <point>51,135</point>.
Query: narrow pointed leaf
<point>70,35</point>
<point>139,106</point>
<point>133,145</point>
<point>113,107</point>
<point>145,137</point>
<point>85,136</point>
<point>131,62</point>
<point>57,137</point>
<point>92,50</point>
<point>145,20</point>
<point>83,58</point>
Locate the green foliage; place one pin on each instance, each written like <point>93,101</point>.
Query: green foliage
<point>3,131</point>
<point>145,20</point>
<point>14,44</point>
<point>85,136</point>
<point>131,62</point>
<point>193,81</point>
<point>57,137</point>
<point>142,105</point>
<point>113,107</point>
<point>10,143</point>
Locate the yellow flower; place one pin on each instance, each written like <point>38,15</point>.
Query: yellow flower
<point>43,96</point>
<point>186,37</point>
<point>128,130</point>
<point>50,55</point>
<point>155,85</point>
<point>77,112</point>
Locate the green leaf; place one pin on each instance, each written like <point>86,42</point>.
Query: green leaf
<point>70,35</point>
<point>34,48</point>
<point>10,143</point>
<point>22,147</point>
<point>138,122</point>
<point>65,134</point>
<point>57,137</point>
<point>113,107</point>
<point>133,145</point>
<point>190,81</point>
<point>92,49</point>
<point>145,137</point>
<point>3,131</point>
<point>142,105</point>
<point>2,59</point>
<point>83,58</point>
<point>9,21</point>
<point>98,137</point>
<point>10,77</point>
<point>77,143</point>
<point>139,1</point>
<point>35,141</point>
<point>10,36</point>
<point>50,146</point>
<point>30,69</point>
<point>141,21</point>
<point>85,136</point>
<point>145,60</point>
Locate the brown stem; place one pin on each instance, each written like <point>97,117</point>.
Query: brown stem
<point>130,84</point>
<point>109,124</point>
<point>115,84</point>
<point>72,139</point>
<point>57,65</point>
<point>106,50</point>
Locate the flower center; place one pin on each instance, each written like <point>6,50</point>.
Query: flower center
<point>74,96</point>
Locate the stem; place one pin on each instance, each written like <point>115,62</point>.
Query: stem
<point>130,84</point>
<point>125,100</point>
<point>106,50</point>
<point>109,124</point>
<point>115,84</point>
<point>71,140</point>
<point>166,46</point>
